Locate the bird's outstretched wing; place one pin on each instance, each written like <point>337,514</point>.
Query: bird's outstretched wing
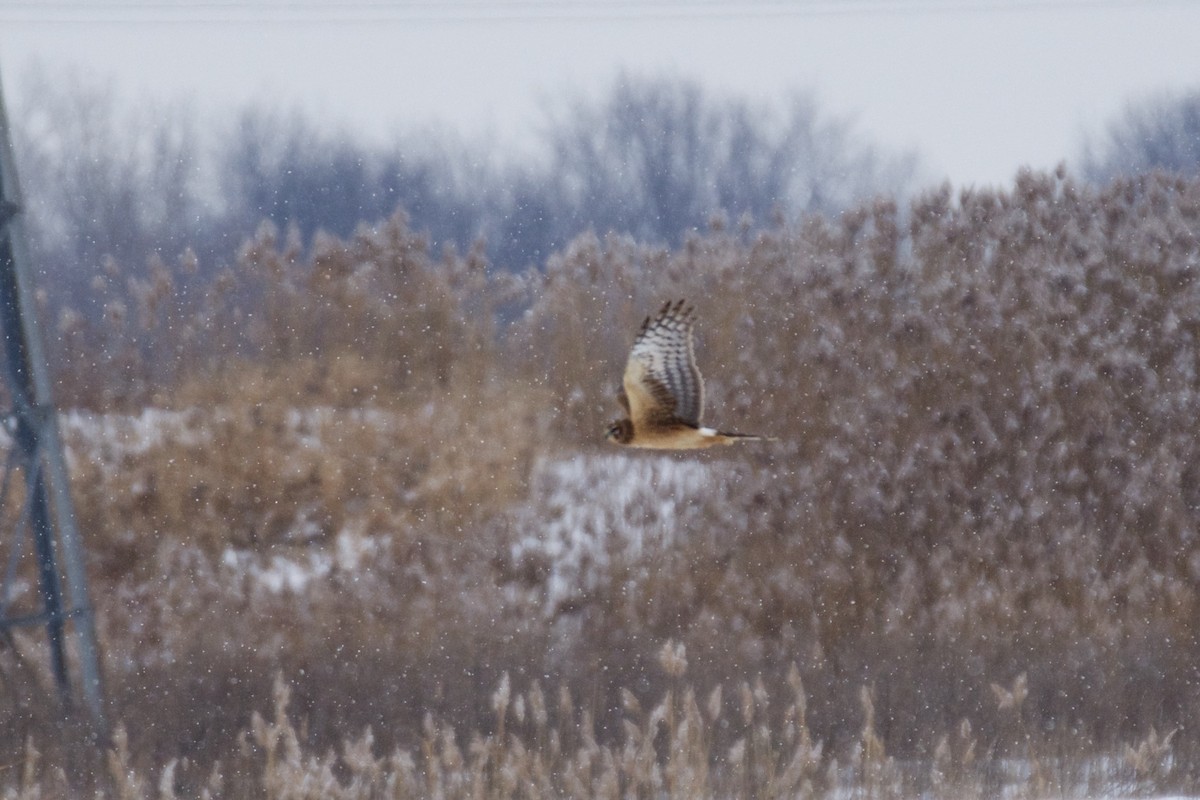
<point>662,383</point>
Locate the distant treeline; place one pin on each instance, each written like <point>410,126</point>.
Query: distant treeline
<point>654,158</point>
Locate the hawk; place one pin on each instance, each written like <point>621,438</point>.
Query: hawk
<point>663,394</point>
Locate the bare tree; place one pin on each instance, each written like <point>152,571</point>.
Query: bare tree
<point>655,158</point>
<point>1160,132</point>
<point>103,180</point>
<point>280,166</point>
<point>658,157</point>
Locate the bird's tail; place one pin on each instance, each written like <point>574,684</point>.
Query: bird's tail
<point>729,437</point>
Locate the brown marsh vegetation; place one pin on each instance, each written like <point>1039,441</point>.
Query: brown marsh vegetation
<point>353,530</point>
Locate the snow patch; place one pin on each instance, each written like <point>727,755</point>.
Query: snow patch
<point>295,572</point>
<point>590,512</point>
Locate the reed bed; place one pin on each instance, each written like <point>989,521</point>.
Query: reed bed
<point>353,530</point>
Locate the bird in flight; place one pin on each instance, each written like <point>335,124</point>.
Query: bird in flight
<point>663,393</point>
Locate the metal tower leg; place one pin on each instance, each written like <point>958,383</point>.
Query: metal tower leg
<point>36,435</point>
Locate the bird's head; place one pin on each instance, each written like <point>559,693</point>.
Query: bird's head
<point>620,432</point>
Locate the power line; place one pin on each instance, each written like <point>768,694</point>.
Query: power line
<point>473,11</point>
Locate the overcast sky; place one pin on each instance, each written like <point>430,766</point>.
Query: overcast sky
<point>978,87</point>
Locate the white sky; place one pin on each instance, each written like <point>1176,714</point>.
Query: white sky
<point>978,87</point>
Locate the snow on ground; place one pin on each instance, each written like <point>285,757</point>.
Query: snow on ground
<point>591,511</point>
<point>132,434</point>
<point>581,514</point>
<point>109,438</point>
<point>293,573</point>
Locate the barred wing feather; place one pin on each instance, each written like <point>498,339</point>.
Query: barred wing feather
<point>661,379</point>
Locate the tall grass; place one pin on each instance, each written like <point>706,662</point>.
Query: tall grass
<point>969,564</point>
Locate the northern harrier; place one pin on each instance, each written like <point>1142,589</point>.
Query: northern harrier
<point>663,394</point>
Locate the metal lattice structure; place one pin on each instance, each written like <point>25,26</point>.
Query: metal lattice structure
<point>42,526</point>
